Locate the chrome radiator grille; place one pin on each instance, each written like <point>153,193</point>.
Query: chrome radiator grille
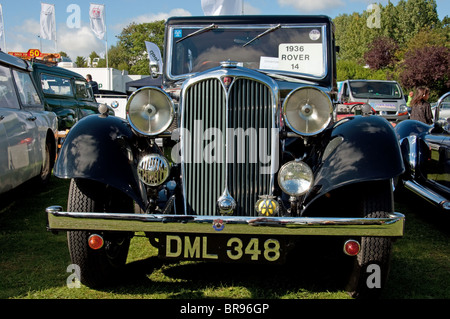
<point>215,154</point>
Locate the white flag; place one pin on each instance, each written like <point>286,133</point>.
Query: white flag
<point>97,17</point>
<point>48,26</point>
<point>221,7</point>
<point>154,54</point>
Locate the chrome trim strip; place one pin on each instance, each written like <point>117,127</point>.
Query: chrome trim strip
<point>392,226</point>
<point>428,195</point>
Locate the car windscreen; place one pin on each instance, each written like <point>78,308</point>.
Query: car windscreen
<point>375,90</point>
<point>294,49</point>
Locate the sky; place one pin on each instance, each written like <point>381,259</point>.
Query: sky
<point>22,26</point>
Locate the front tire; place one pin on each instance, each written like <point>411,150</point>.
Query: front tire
<point>371,266</point>
<point>102,267</point>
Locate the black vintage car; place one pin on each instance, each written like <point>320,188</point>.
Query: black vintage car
<point>251,164</point>
<point>426,153</point>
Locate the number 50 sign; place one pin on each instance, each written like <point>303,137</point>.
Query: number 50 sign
<point>34,53</point>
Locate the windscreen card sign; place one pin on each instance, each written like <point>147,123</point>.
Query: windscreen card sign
<point>306,58</point>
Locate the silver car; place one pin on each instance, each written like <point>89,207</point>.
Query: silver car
<point>27,131</point>
<point>385,97</point>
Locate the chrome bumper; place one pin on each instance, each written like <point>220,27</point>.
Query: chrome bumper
<point>392,226</point>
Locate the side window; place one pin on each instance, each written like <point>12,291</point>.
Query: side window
<point>83,91</point>
<point>52,84</point>
<point>8,96</point>
<point>27,91</point>
<point>345,93</point>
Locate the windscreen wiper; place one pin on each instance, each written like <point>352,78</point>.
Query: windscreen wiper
<point>263,34</point>
<point>205,29</point>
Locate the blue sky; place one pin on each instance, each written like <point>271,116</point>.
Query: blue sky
<point>21,18</point>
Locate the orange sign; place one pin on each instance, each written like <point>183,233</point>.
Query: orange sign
<point>34,53</point>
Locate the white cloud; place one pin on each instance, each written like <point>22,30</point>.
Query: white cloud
<point>75,42</point>
<point>311,5</point>
<point>79,42</point>
<point>250,10</point>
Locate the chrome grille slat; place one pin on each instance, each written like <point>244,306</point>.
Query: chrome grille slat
<point>248,105</point>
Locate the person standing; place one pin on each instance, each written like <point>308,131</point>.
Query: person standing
<point>420,108</point>
<point>93,84</point>
<point>410,97</point>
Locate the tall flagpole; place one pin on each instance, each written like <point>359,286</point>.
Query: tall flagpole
<point>54,23</point>
<point>106,55</point>
<point>4,30</point>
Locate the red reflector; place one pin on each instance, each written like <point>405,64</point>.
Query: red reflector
<point>95,241</point>
<point>351,247</point>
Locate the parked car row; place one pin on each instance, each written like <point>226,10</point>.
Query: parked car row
<point>38,104</point>
<point>27,130</point>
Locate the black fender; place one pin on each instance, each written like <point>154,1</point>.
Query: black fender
<point>414,150</point>
<point>360,149</point>
<point>100,148</point>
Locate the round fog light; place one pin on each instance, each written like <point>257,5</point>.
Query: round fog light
<point>153,169</point>
<point>295,178</point>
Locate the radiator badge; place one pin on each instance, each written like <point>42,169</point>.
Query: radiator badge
<point>218,224</point>
<point>227,80</point>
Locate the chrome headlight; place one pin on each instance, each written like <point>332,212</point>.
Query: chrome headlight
<point>153,169</point>
<point>307,111</point>
<point>150,111</point>
<point>295,178</point>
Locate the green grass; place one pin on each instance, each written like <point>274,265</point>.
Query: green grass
<point>33,262</point>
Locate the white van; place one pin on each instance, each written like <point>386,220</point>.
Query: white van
<point>385,97</point>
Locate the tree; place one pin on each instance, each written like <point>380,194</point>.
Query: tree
<point>428,66</point>
<point>381,53</point>
<point>80,61</point>
<point>132,43</point>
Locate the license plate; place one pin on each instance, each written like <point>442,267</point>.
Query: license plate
<point>222,248</point>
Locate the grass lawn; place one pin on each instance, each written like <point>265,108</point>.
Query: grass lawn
<point>34,262</point>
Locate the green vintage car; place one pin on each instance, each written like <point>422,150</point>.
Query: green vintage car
<point>66,93</point>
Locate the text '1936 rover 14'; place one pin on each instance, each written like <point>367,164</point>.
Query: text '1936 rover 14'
<point>249,163</point>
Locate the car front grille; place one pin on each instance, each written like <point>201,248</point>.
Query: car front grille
<point>212,164</point>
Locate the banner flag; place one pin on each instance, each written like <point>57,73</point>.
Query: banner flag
<point>97,18</point>
<point>154,54</point>
<point>48,25</point>
<point>222,7</point>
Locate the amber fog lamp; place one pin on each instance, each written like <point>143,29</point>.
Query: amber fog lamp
<point>295,178</point>
<point>307,111</point>
<point>150,111</point>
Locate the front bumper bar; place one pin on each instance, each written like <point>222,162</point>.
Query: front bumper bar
<point>392,226</point>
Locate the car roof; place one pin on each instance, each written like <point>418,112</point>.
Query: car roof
<point>250,19</point>
<point>56,70</point>
<point>12,60</point>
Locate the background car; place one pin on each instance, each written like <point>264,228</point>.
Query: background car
<point>426,155</point>
<point>66,93</point>
<point>444,109</point>
<point>27,131</point>
<point>385,97</point>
